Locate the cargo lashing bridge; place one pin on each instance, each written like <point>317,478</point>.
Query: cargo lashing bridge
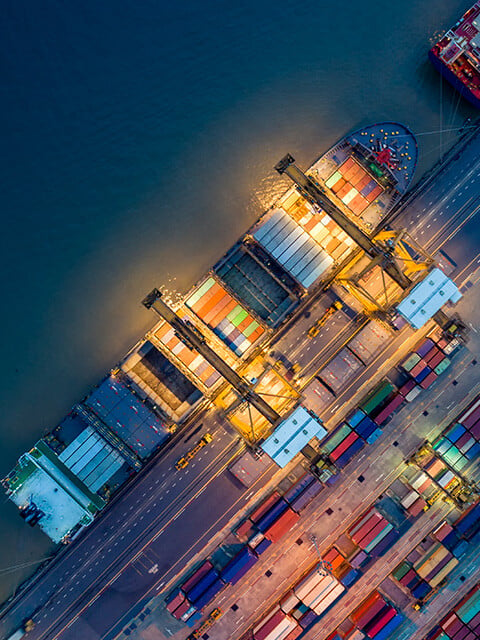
<point>194,339</point>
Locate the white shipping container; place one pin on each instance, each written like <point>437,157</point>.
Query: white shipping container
<point>419,480</point>
<point>304,587</point>
<point>330,599</point>
<point>409,499</point>
<point>281,631</point>
<point>411,395</point>
<point>320,591</point>
<point>314,599</point>
<point>289,602</point>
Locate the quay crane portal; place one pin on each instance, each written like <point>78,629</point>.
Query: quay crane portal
<point>194,339</point>
<point>381,253</point>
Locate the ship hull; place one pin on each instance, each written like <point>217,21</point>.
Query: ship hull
<point>452,79</point>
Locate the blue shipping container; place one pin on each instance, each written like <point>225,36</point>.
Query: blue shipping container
<point>298,487</point>
<point>421,590</point>
<point>473,452</point>
<point>471,518</point>
<point>355,418</point>
<point>366,427</point>
<point>202,585</point>
<point>385,544</point>
<point>306,496</point>
<point>209,594</point>
<point>352,450</point>
<point>245,557</point>
<point>263,546</point>
<point>423,374</point>
<point>455,432</point>
<point>375,435</point>
<point>350,578</point>
<point>192,621</point>
<point>390,627</point>
<point>273,514</point>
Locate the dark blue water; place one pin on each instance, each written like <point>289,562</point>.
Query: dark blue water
<point>138,142</point>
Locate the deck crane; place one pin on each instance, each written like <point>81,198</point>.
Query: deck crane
<point>381,253</point>
<point>188,333</point>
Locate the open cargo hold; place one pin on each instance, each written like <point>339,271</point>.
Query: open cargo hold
<point>340,370</point>
<point>282,525</point>
<point>222,313</point>
<point>238,565</point>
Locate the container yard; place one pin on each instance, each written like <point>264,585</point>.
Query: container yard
<point>462,621</point>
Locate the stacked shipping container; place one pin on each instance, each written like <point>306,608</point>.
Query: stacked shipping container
<point>376,618</point>
<point>459,446</point>
<point>373,533</point>
<point>462,622</point>
<point>427,361</point>
<point>355,187</point>
<point>222,313</point>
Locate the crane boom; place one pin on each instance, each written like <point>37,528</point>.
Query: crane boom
<point>314,194</point>
<point>193,338</point>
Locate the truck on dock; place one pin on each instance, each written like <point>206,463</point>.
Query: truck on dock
<point>315,329</point>
<point>185,460</point>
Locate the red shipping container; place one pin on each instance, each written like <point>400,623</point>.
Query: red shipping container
<point>365,606</point>
<point>366,528</point>
<point>370,613</point>
<point>282,525</point>
<point>420,366</point>
<point>371,535</point>
<point>382,622</point>
<point>408,386</point>
<point>175,602</point>
<point>265,506</point>
<point>434,351</point>
<point>183,608</point>
<point>461,634</point>
<point>375,193</point>
<point>293,635</point>
<point>452,624</point>
<point>417,507</point>
<point>343,446</point>
<point>390,408</point>
<point>244,529</point>
<point>475,430</point>
<point>408,577</point>
<point>472,418</point>
<point>263,630</point>
<point>442,531</point>
<point>436,360</point>
<point>429,380</point>
<point>361,521</point>
<point>199,573</point>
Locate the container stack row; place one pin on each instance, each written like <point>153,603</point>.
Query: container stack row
<point>229,320</point>
<point>373,534</point>
<point>427,361</point>
<point>459,446</point>
<point>423,571</point>
<point>276,625</point>
<point>462,622</point>
<point>317,591</point>
<point>376,618</point>
<point>356,188</point>
<point>186,602</point>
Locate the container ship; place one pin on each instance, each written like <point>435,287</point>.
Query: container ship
<point>290,251</point>
<point>457,55</point>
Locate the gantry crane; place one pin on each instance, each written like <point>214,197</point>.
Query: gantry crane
<point>381,252</point>
<point>194,339</point>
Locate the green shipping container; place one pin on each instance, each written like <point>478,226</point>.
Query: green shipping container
<point>411,361</point>
<point>470,609</point>
<point>444,364</point>
<point>401,570</point>
<point>336,438</point>
<point>377,396</point>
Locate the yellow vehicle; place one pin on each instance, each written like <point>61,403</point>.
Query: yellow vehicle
<point>212,618</point>
<point>185,460</point>
<point>315,329</point>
